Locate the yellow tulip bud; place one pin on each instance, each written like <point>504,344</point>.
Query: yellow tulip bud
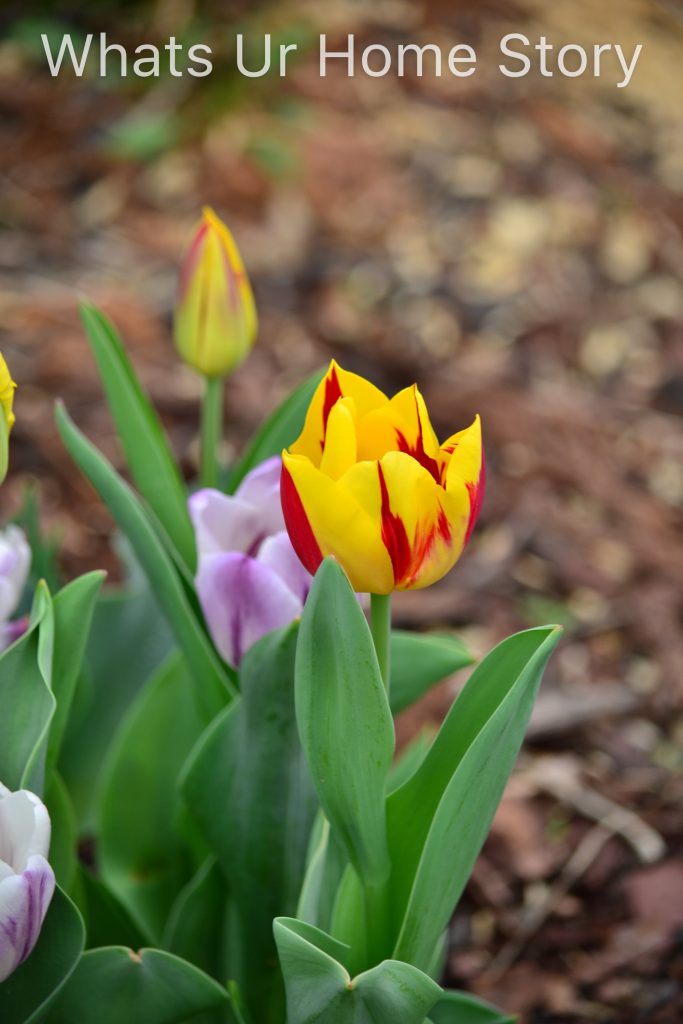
<point>7,387</point>
<point>215,317</point>
<point>368,482</point>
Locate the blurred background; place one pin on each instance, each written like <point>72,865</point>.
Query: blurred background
<point>515,246</point>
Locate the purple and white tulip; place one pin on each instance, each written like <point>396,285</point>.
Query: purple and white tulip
<point>27,881</point>
<point>15,562</point>
<point>249,579</point>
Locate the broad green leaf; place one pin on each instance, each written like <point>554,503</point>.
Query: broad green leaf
<point>143,859</point>
<point>325,868</point>
<point>44,547</point>
<point>247,787</point>
<point>462,1008</point>
<point>107,921</point>
<point>438,821</point>
<point>211,684</point>
<point>26,995</point>
<point>149,457</point>
<point>26,702</point>
<point>114,984</point>
<point>73,610</point>
<point>344,719</point>
<point>419,660</point>
<point>63,841</point>
<point>321,991</point>
<point>410,759</point>
<point>129,639</point>
<point>199,923</point>
<point>279,431</point>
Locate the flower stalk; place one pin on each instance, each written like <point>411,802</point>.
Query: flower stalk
<point>211,431</point>
<point>380,625</point>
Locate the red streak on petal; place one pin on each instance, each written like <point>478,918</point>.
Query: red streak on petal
<point>475,489</point>
<point>333,393</point>
<point>394,534</point>
<point>417,451</point>
<point>298,527</point>
<point>191,260</point>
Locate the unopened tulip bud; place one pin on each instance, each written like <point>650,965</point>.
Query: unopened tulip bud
<point>7,387</point>
<point>27,881</point>
<point>215,316</point>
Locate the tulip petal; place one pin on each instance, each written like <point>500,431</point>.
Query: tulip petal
<point>238,522</point>
<point>242,600</point>
<point>278,554</point>
<point>467,469</point>
<point>402,425</point>
<point>336,384</point>
<point>24,900</point>
<point>15,562</point>
<point>324,517</point>
<point>340,441</point>
<point>422,527</point>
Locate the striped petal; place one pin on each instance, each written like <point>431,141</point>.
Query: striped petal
<point>422,527</point>
<point>24,900</point>
<point>335,385</point>
<point>242,600</point>
<point>467,470</point>
<point>324,517</point>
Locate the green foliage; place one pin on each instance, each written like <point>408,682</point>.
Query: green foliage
<point>148,456</point>
<point>114,984</point>
<point>344,719</point>
<point>143,858</point>
<point>321,991</point>
<point>247,787</point>
<point>211,683</point>
<point>419,660</point>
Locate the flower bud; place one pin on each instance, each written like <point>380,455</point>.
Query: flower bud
<point>215,317</point>
<point>7,387</point>
<point>27,881</point>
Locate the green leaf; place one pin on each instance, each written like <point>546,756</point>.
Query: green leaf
<point>247,787</point>
<point>201,927</point>
<point>26,702</point>
<point>63,842</point>
<point>321,991</point>
<point>73,610</point>
<point>211,684</point>
<point>107,921</point>
<point>462,1008</point>
<point>419,660</point>
<point>344,719</point>
<point>28,993</point>
<point>279,431</point>
<point>129,639</point>
<point>113,984</point>
<point>143,859</point>
<point>410,758</point>
<point>148,455</point>
<point>439,819</point>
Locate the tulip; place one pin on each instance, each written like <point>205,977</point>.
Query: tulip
<point>27,881</point>
<point>215,317</point>
<point>15,562</point>
<point>7,417</point>
<point>249,579</point>
<point>368,482</point>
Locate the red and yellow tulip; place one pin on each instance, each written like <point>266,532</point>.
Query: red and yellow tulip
<point>368,482</point>
<point>215,317</point>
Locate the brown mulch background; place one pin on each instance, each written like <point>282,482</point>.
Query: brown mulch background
<point>516,247</point>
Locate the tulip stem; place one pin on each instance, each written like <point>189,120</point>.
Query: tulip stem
<point>380,624</point>
<point>212,430</point>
